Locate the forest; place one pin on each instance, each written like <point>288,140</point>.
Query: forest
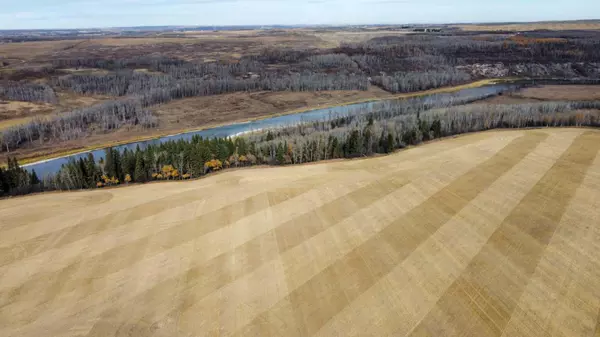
<point>126,85</point>
<point>395,64</point>
<point>376,129</point>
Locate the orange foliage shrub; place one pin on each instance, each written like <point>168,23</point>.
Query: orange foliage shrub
<point>213,165</point>
<point>522,40</point>
<point>108,181</point>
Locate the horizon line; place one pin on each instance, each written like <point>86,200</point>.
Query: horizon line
<point>305,25</point>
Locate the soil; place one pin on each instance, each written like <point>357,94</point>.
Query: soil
<point>495,230</point>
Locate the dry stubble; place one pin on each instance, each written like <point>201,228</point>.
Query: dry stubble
<point>486,234</point>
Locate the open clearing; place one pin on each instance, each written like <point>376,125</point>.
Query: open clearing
<point>562,92</point>
<point>547,93</point>
<point>567,25</point>
<point>489,234</point>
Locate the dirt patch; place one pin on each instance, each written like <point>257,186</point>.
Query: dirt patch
<point>15,112</point>
<point>18,110</point>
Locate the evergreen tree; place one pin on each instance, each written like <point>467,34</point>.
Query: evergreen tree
<point>4,183</point>
<point>119,173</point>
<point>93,171</point>
<point>150,160</point>
<point>128,163</point>
<point>33,178</point>
<point>110,169</point>
<point>83,178</point>
<point>13,172</point>
<point>279,154</point>
<point>436,128</point>
<point>335,147</point>
<point>196,162</point>
<point>390,144</point>
<point>353,147</point>
<point>242,147</point>
<point>140,173</point>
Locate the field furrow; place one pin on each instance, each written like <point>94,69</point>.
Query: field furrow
<point>489,234</point>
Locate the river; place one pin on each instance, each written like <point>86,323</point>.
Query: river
<point>51,166</point>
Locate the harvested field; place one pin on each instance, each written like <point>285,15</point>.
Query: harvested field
<point>507,99</point>
<point>489,234</point>
<point>562,92</point>
<point>547,93</point>
<point>567,25</point>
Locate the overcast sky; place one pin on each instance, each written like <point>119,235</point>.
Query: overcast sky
<point>34,14</point>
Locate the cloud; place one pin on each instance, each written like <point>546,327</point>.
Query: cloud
<point>25,15</point>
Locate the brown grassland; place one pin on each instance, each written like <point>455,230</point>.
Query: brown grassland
<point>573,25</point>
<point>488,234</point>
<point>562,92</point>
<point>193,45</point>
<point>548,93</point>
<point>226,108</point>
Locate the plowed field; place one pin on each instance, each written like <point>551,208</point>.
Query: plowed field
<point>489,234</point>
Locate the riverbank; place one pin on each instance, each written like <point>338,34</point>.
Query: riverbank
<point>41,155</point>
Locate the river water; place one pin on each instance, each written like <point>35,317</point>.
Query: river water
<point>51,166</point>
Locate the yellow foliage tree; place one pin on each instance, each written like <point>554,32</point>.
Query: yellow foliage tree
<point>213,165</point>
<point>127,178</point>
<point>251,159</point>
<point>167,171</point>
<point>107,181</point>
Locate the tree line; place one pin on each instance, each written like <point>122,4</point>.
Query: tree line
<point>128,82</point>
<point>418,81</point>
<point>376,128</point>
<point>432,52</point>
<point>132,110</point>
<point>105,117</point>
<point>396,64</point>
<point>14,180</point>
<point>27,92</point>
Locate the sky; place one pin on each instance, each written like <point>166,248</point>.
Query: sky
<point>52,14</point>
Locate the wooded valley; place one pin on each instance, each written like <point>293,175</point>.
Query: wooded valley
<point>133,82</point>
